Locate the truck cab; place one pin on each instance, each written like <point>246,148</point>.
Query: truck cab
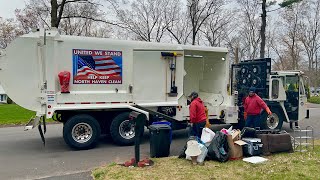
<point>283,91</point>
<point>288,88</point>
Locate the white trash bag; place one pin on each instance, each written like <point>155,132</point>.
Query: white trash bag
<point>207,135</point>
<point>202,156</point>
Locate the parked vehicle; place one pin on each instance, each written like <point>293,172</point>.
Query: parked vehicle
<point>283,91</point>
<point>92,84</point>
<point>102,80</point>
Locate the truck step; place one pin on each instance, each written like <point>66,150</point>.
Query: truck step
<point>33,122</point>
<point>303,130</point>
<point>304,144</point>
<point>303,137</point>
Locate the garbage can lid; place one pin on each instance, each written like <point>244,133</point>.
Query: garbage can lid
<point>159,126</point>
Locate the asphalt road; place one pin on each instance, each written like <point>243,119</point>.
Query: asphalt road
<point>22,155</point>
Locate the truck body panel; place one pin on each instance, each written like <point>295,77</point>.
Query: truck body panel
<point>145,75</point>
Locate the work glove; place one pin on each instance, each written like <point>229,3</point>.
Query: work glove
<point>245,115</point>
<point>268,111</point>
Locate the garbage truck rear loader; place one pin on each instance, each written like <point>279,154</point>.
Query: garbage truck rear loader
<point>91,84</point>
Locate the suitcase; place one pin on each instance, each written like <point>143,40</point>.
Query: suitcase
<point>253,147</point>
<point>274,143</point>
<point>265,142</point>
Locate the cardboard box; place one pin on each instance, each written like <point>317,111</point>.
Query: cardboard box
<point>235,148</point>
<point>236,135</point>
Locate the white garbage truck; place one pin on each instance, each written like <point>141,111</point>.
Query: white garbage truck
<point>102,80</point>
<point>92,84</point>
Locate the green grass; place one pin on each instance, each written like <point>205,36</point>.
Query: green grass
<point>12,114</point>
<point>314,99</point>
<point>280,166</point>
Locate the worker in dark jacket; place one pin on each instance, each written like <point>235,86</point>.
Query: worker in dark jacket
<point>253,106</point>
<point>197,115</point>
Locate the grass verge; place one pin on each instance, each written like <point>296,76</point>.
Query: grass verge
<point>314,99</point>
<point>12,114</point>
<point>280,166</point>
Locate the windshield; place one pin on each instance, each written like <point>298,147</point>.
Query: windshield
<point>292,83</point>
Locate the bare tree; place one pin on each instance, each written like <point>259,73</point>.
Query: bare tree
<point>248,29</point>
<point>199,11</point>
<point>148,20</point>
<point>310,35</point>
<point>264,6</point>
<point>72,25</point>
<point>79,17</point>
<point>290,32</point>
<point>57,10</point>
<point>33,16</point>
<point>218,27</point>
<point>179,28</point>
<point>8,31</point>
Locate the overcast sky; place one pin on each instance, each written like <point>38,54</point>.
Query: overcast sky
<point>7,7</point>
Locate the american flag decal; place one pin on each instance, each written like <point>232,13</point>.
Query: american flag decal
<point>97,67</point>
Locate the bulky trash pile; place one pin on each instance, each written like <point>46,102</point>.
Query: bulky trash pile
<point>233,144</point>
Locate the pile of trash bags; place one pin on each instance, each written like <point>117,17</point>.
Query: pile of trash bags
<point>211,146</point>
<point>233,144</point>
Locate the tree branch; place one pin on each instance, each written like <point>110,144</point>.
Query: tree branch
<point>91,18</point>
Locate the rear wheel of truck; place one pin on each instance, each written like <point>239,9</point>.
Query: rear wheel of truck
<point>81,131</point>
<point>273,121</point>
<point>122,129</point>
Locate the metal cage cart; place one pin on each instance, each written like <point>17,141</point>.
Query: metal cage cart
<point>303,138</point>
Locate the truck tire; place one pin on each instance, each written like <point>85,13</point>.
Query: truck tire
<point>81,132</point>
<point>275,122</point>
<point>122,130</point>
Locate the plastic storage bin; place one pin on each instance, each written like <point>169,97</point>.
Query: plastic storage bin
<point>253,147</point>
<point>160,140</point>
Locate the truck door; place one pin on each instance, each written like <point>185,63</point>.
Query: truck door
<point>302,99</point>
<point>277,90</point>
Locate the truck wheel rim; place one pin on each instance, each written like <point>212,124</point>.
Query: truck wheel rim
<point>273,121</point>
<point>126,129</point>
<point>82,132</point>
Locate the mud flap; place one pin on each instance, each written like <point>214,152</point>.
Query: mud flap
<point>44,130</point>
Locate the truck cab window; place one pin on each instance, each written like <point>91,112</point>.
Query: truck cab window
<point>292,83</point>
<point>275,89</point>
<point>292,90</point>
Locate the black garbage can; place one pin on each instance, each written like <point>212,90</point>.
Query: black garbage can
<point>160,137</point>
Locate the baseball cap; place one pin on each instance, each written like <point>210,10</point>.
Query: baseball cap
<point>193,94</point>
<point>252,89</point>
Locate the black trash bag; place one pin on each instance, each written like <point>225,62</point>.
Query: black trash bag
<point>219,149</point>
<point>248,132</point>
<point>182,153</point>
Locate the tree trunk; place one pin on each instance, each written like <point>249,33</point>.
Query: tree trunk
<point>237,55</point>
<point>316,80</point>
<point>263,29</point>
<point>54,13</point>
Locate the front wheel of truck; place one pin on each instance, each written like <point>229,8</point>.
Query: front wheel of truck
<point>81,131</point>
<point>273,121</point>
